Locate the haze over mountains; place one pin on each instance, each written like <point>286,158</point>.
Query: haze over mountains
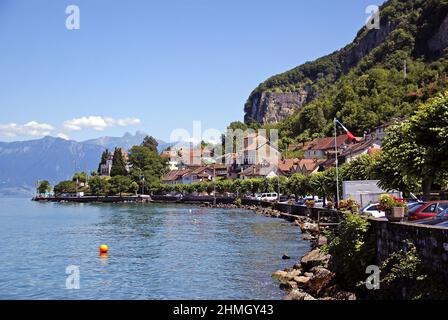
<point>23,163</point>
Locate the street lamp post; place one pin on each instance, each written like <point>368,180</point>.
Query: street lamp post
<point>214,184</point>
<point>336,162</point>
<point>278,173</point>
<point>142,180</point>
<point>278,186</point>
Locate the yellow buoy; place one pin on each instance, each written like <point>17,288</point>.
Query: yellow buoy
<point>104,249</point>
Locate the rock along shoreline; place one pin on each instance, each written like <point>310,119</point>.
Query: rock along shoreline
<point>310,278</point>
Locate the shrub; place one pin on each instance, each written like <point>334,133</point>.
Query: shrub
<point>238,202</point>
<point>352,248</point>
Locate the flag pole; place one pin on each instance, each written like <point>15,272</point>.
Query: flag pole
<point>337,163</point>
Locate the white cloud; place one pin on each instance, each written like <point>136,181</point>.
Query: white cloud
<point>128,122</point>
<point>98,123</point>
<point>32,129</point>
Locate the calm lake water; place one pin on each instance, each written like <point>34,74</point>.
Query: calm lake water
<point>155,251</point>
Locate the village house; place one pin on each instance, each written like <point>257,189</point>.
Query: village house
<point>174,177</point>
<point>172,155</point>
<point>288,166</point>
<point>198,174</point>
<point>351,152</point>
<point>256,150</point>
<point>220,171</point>
<point>192,174</point>
<point>320,148</point>
<point>309,166</point>
<point>260,171</point>
<point>380,132</point>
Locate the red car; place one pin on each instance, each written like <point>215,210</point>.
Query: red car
<point>427,210</point>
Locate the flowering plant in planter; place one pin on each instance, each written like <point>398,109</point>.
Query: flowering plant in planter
<point>394,207</point>
<point>349,205</point>
<point>388,202</point>
<point>310,203</point>
<point>330,205</point>
<point>343,204</point>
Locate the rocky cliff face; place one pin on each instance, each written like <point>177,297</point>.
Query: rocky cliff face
<point>418,29</point>
<point>369,42</point>
<point>439,41</point>
<point>272,107</point>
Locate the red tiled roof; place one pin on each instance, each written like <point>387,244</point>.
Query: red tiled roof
<point>357,147</point>
<point>288,165</point>
<point>174,175</point>
<point>309,165</point>
<point>326,143</point>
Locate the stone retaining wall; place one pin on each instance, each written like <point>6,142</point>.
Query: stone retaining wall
<point>431,242</point>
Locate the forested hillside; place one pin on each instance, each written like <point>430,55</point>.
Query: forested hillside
<point>384,74</point>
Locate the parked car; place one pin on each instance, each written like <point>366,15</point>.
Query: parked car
<point>442,217</point>
<point>411,205</point>
<point>270,197</point>
<point>318,203</point>
<point>443,224</point>
<point>426,210</point>
<point>373,210</point>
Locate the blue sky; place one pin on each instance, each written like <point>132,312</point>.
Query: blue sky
<point>153,65</point>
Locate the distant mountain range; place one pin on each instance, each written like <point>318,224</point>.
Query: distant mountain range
<point>127,141</point>
<point>23,163</point>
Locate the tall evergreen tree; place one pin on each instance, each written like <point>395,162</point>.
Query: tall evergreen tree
<point>118,164</point>
<point>104,157</point>
<point>151,143</point>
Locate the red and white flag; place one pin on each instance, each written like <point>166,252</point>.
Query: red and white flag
<point>349,134</point>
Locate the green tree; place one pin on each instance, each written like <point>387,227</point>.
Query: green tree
<point>104,158</point>
<point>246,186</point>
<point>80,177</point>
<point>151,143</point>
<point>299,185</point>
<point>416,149</point>
<point>135,187</point>
<point>267,185</point>
<point>120,184</point>
<point>147,164</point>
<point>43,187</point>
<point>392,178</point>
<point>99,186</point>
<point>65,187</point>
<point>118,164</point>
<point>322,184</point>
<point>237,125</point>
<point>429,127</point>
<point>361,168</point>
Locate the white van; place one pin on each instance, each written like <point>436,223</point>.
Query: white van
<point>268,197</point>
